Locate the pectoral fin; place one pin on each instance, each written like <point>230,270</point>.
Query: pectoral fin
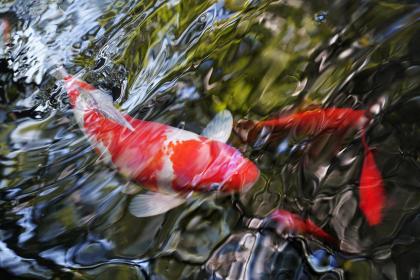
<point>103,103</point>
<point>220,127</point>
<point>153,203</point>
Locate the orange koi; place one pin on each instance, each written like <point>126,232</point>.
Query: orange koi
<point>318,121</point>
<point>168,161</point>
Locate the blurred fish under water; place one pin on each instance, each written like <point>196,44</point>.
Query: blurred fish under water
<point>171,162</point>
<point>324,97</point>
<point>338,120</point>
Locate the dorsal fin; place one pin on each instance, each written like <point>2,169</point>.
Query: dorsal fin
<point>220,127</point>
<point>103,103</point>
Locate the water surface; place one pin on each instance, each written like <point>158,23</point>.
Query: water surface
<point>63,210</point>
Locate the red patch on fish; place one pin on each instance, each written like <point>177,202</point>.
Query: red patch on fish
<point>203,163</point>
<point>74,87</point>
<point>189,158</point>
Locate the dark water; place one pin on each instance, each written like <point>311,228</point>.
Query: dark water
<point>63,210</point>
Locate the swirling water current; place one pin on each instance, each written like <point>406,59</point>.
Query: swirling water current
<point>63,209</point>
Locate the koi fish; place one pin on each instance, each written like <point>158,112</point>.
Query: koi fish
<point>294,224</point>
<point>170,162</point>
<point>318,121</point>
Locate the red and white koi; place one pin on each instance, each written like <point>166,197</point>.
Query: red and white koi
<point>168,161</point>
<point>339,120</point>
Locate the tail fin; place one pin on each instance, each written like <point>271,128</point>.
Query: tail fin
<point>371,189</point>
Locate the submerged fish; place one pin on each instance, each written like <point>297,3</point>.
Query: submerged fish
<point>287,222</point>
<point>371,189</point>
<point>168,161</point>
<point>5,33</point>
<point>338,120</point>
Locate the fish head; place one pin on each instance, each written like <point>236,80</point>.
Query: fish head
<point>246,130</point>
<point>73,95</point>
<point>75,87</point>
<point>73,91</point>
<point>241,176</point>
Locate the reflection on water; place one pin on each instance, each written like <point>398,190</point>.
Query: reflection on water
<point>65,211</point>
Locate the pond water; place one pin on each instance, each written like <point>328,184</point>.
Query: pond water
<point>64,210</point>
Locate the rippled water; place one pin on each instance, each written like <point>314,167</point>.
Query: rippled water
<point>64,210</point>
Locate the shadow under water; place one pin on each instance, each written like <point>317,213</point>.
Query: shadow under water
<point>64,210</point>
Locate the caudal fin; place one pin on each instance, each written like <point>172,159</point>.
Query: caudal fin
<point>220,127</point>
<point>371,190</point>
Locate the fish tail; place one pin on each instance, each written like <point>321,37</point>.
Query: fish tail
<point>371,189</point>
<point>315,230</point>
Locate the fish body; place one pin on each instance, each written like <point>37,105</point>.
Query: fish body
<point>166,158</point>
<point>291,223</point>
<point>160,157</point>
<point>314,122</point>
<point>336,120</point>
